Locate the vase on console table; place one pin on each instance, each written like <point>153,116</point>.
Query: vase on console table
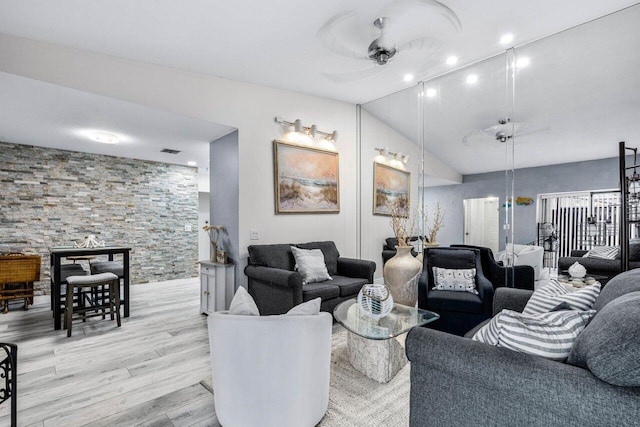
<point>401,276</point>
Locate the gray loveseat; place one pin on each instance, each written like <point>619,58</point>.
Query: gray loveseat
<point>459,382</point>
<point>600,266</point>
<point>276,287</point>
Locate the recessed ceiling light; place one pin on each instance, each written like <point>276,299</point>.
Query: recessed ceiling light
<point>507,38</point>
<point>522,62</point>
<point>431,92</point>
<point>408,78</point>
<point>192,163</point>
<point>452,60</point>
<point>104,137</point>
<point>472,79</point>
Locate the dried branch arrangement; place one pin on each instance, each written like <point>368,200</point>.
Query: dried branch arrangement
<point>214,232</point>
<point>432,223</point>
<point>401,223</point>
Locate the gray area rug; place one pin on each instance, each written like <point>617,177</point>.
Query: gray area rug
<point>355,400</point>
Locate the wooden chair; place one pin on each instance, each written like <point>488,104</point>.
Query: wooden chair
<point>9,371</point>
<point>100,306</point>
<point>17,274</point>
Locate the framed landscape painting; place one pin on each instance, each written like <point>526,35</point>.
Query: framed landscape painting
<point>390,186</point>
<point>306,179</point>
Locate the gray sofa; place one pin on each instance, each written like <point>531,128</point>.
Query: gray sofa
<point>276,287</point>
<point>599,266</point>
<point>459,382</point>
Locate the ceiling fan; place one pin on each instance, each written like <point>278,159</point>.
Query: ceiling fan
<point>501,133</point>
<point>343,35</point>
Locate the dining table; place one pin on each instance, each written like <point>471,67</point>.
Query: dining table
<point>57,253</point>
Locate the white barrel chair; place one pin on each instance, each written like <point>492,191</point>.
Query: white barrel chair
<point>270,370</point>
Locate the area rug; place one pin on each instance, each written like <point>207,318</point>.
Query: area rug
<point>355,400</point>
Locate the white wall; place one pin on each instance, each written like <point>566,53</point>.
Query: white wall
<point>247,107</point>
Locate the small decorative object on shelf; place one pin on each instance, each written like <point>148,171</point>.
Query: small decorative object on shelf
<point>577,270</point>
<point>221,257</point>
<point>375,300</point>
<point>89,241</point>
<point>214,233</point>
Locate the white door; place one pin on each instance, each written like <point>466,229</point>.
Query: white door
<point>481,222</point>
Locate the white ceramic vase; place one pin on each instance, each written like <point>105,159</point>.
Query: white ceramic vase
<point>401,276</point>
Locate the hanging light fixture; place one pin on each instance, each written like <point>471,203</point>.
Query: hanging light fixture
<point>309,130</point>
<point>404,158</point>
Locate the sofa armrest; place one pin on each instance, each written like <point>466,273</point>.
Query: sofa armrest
<point>452,378</point>
<point>275,291</point>
<point>351,267</point>
<point>274,276</point>
<point>485,292</point>
<point>578,253</point>
<point>510,299</point>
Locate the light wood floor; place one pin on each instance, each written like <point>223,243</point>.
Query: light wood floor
<point>147,372</point>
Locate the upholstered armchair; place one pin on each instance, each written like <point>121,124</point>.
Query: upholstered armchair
<point>270,370</point>
<point>459,311</point>
<point>519,276</point>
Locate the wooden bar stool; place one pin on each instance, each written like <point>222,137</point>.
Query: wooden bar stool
<point>98,308</point>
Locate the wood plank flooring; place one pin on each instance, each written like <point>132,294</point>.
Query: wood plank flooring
<point>146,373</point>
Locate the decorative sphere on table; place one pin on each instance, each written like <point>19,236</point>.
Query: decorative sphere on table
<point>577,270</point>
<point>375,300</point>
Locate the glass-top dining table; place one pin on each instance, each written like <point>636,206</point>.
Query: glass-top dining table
<point>57,253</point>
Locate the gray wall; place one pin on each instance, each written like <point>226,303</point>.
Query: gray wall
<point>529,182</point>
<point>224,193</point>
<point>55,197</point>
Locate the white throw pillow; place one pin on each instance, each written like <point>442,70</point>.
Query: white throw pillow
<point>554,293</point>
<point>604,252</point>
<point>306,308</point>
<point>551,335</point>
<point>454,279</point>
<point>243,304</point>
<point>310,264</point>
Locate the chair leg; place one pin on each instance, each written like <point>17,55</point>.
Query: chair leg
<point>68,314</point>
<point>116,296</point>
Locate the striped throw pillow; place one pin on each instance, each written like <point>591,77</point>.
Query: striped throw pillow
<point>604,252</point>
<point>454,279</point>
<point>550,335</point>
<point>554,293</point>
<point>310,264</point>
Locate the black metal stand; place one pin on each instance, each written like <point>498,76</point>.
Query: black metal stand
<point>9,371</point>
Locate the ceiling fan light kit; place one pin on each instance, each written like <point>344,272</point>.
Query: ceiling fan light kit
<point>311,131</point>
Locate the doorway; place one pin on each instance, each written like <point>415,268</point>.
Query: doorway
<point>481,222</point>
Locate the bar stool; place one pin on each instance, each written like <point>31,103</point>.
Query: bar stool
<point>93,281</point>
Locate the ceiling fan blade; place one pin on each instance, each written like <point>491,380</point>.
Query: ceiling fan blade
<point>400,7</point>
<point>327,36</point>
<point>353,75</point>
<point>423,43</point>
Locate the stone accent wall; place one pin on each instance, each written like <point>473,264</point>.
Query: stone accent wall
<point>54,197</point>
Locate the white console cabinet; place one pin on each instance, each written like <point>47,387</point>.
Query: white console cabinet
<point>217,283</point>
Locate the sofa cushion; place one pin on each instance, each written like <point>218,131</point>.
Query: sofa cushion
<point>329,251</point>
<point>308,308</point>
<point>100,267</point>
<point>349,286</point>
<point>622,284</point>
<point>465,302</point>
<point>602,252</point>
<point>324,290</point>
<point>553,293</point>
<point>273,256</point>
<point>610,345</point>
<point>310,265</point>
<point>634,251</point>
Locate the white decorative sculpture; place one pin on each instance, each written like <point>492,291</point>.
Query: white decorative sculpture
<point>89,241</point>
<point>375,300</point>
<point>577,270</point>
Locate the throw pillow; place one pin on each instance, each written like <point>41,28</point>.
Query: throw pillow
<point>459,280</point>
<point>550,335</point>
<point>603,252</point>
<point>610,345</point>
<point>306,308</point>
<point>310,264</point>
<point>553,293</point>
<point>243,304</point>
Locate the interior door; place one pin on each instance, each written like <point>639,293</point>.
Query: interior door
<point>481,222</point>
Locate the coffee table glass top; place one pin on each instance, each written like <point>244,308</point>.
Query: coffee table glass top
<point>401,319</point>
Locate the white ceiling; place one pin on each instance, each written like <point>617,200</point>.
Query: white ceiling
<point>274,43</point>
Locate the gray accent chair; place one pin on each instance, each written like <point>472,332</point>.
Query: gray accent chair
<point>459,382</point>
<point>276,287</point>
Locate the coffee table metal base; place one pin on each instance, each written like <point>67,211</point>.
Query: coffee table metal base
<point>379,360</point>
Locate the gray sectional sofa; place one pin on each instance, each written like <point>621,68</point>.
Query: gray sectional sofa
<point>599,266</point>
<point>459,382</point>
<point>276,287</point>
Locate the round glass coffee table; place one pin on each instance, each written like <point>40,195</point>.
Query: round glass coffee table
<point>372,344</point>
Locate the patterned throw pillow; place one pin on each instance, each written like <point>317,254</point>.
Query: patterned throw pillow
<point>604,252</point>
<point>310,264</point>
<point>459,280</point>
<point>551,335</point>
<point>549,296</point>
